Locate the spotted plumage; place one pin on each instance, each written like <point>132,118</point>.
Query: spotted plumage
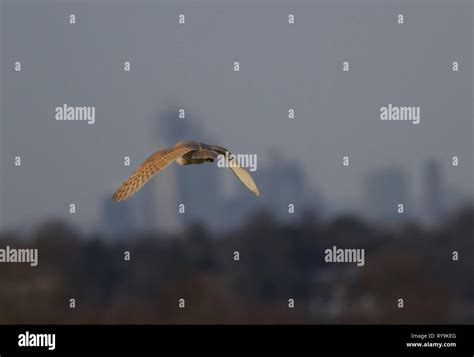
<point>184,153</point>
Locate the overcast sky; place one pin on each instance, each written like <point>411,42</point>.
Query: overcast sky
<point>282,66</point>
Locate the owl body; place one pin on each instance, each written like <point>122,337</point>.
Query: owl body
<point>183,153</point>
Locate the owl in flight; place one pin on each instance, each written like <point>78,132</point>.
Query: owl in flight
<point>184,153</point>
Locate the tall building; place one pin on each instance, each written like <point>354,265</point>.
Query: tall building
<point>283,182</point>
<point>118,219</point>
<point>198,187</point>
<point>385,189</point>
<point>144,208</point>
<point>433,190</point>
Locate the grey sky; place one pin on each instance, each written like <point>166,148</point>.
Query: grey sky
<point>282,66</point>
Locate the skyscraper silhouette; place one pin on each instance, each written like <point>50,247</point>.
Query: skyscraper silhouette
<point>198,187</point>
<point>433,190</point>
<point>117,219</point>
<point>385,189</point>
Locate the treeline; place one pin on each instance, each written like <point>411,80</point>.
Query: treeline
<point>253,274</point>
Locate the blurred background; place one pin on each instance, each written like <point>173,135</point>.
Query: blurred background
<point>300,162</point>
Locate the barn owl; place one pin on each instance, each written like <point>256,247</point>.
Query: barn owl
<point>184,153</point>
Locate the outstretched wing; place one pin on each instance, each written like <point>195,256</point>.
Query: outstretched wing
<point>240,172</point>
<point>156,162</point>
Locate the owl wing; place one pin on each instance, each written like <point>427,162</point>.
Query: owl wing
<point>242,174</point>
<point>155,163</point>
